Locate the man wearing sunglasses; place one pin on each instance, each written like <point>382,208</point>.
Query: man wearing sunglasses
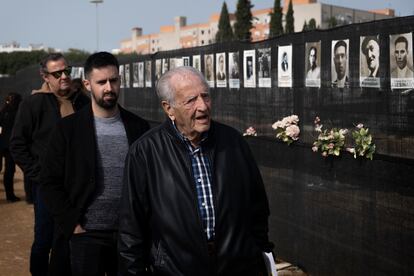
<point>35,120</point>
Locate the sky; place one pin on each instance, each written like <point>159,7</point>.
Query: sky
<point>67,24</point>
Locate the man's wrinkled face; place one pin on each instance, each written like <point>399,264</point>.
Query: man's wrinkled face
<point>104,85</point>
<point>60,85</point>
<point>340,60</point>
<point>192,106</point>
<point>401,54</point>
<point>372,55</point>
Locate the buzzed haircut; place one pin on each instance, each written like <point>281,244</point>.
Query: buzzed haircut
<point>99,60</point>
<point>47,58</point>
<point>339,44</point>
<point>402,39</point>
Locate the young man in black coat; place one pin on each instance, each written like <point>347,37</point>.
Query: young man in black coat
<point>82,172</point>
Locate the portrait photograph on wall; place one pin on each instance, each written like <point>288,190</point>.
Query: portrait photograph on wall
<point>313,64</point>
<point>234,69</point>
<point>127,76</point>
<point>186,61</point>
<point>172,63</point>
<point>158,69</point>
<point>209,69</point>
<point>122,74</point>
<point>140,74</point>
<point>340,63</point>
<point>284,63</point>
<point>135,74</point>
<point>249,68</point>
<point>264,67</point>
<point>401,61</point>
<point>77,72</point>
<point>369,61</point>
<point>148,76</point>
<point>165,65</point>
<point>197,62</point>
<point>221,78</point>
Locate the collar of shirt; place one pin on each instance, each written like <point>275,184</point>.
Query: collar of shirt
<point>187,142</point>
<point>401,72</point>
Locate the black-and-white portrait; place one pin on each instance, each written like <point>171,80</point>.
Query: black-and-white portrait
<point>165,65</point>
<point>340,63</point>
<point>221,77</point>
<point>135,74</point>
<point>369,61</point>
<point>264,69</point>
<point>313,62</point>
<point>158,69</point>
<point>127,76</point>
<point>209,69</point>
<point>234,73</point>
<point>401,61</point>
<point>186,61</point>
<point>197,62</point>
<point>148,76</point>
<point>249,68</point>
<point>284,74</point>
<point>122,74</point>
<point>140,74</point>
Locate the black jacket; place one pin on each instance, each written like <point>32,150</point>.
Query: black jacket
<point>68,169</point>
<point>7,117</point>
<point>160,226</point>
<point>37,116</point>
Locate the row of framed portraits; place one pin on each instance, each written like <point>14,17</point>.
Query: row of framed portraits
<point>257,70</point>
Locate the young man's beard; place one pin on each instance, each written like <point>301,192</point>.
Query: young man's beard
<point>106,104</point>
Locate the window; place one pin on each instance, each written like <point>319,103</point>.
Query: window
<point>202,42</point>
<point>202,32</point>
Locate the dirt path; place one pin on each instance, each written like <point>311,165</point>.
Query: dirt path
<point>16,231</point>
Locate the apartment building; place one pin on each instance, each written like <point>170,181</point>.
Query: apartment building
<point>181,35</point>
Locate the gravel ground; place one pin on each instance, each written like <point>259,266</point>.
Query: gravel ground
<point>16,230</point>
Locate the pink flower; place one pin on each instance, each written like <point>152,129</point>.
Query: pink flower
<point>360,126</point>
<point>324,154</point>
<point>331,145</point>
<point>314,149</point>
<point>293,132</point>
<point>351,150</point>
<point>317,120</point>
<point>318,128</point>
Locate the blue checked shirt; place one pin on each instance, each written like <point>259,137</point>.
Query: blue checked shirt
<point>202,178</point>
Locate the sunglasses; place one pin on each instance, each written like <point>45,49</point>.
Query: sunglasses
<point>58,74</point>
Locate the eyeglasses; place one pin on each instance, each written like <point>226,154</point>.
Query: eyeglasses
<point>58,74</point>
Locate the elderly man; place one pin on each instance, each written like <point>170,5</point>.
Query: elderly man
<point>401,54</point>
<point>35,120</point>
<point>340,60</point>
<point>193,201</point>
<point>370,48</point>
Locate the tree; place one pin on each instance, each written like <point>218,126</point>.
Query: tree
<point>305,27</point>
<point>332,22</point>
<point>290,21</point>
<point>312,24</point>
<point>244,20</point>
<point>225,32</point>
<point>275,26</point>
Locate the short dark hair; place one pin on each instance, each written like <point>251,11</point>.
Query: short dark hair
<point>365,43</point>
<point>339,44</point>
<point>47,58</point>
<point>99,60</point>
<point>401,39</point>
